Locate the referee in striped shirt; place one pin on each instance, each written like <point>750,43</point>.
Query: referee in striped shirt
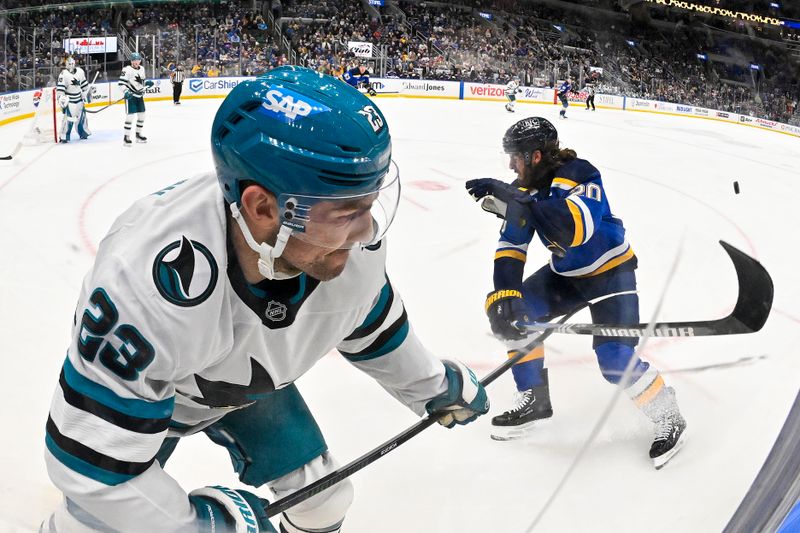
<point>176,77</point>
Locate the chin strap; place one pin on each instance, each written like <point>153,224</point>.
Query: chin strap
<point>266,253</point>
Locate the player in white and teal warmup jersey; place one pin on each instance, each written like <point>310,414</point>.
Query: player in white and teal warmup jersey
<point>133,82</point>
<point>208,299</point>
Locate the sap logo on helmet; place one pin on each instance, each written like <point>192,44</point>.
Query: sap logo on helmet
<point>286,105</point>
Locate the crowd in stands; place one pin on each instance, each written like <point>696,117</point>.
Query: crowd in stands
<point>209,39</point>
<point>653,53</point>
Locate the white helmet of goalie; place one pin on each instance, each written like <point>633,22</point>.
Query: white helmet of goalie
<point>70,63</point>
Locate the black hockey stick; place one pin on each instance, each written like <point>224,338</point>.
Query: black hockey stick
<point>749,315</point>
<point>279,506</point>
<point>104,107</point>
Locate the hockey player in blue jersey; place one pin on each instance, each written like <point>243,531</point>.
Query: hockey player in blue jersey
<point>209,298</point>
<point>358,77</point>
<point>561,198</point>
<point>563,95</point>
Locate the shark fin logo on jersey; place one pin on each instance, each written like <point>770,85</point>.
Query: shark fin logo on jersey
<point>287,106</point>
<point>185,272</point>
<point>224,394</point>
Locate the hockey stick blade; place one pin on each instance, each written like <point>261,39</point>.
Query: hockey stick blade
<point>749,315</point>
<point>301,495</point>
<point>13,154</point>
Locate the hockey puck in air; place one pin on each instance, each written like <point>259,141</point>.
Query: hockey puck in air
<point>736,187</point>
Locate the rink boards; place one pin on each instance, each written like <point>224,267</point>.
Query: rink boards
<point>21,105</point>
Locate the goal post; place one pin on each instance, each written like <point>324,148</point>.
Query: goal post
<point>44,128</point>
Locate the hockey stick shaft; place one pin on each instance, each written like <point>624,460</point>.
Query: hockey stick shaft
<point>752,309</point>
<point>105,106</point>
<point>373,455</point>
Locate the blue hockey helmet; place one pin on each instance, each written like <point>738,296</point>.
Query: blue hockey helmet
<point>306,138</point>
<point>136,56</point>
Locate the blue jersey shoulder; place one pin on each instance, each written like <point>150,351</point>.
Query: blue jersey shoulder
<point>578,171</point>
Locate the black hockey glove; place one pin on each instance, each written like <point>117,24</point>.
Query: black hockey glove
<point>508,202</point>
<point>504,307</point>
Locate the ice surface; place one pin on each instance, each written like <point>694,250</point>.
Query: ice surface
<point>665,177</point>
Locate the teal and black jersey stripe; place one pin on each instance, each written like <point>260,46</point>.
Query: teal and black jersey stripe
<point>110,414</point>
<point>133,408</point>
<point>383,330</point>
<point>388,340</point>
<point>377,315</point>
<point>89,462</point>
<point>132,428</point>
<point>126,85</point>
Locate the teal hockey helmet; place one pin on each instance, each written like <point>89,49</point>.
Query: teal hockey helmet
<point>136,56</point>
<point>307,138</point>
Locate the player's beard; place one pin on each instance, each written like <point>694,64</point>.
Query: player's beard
<point>322,267</point>
<point>537,176</point>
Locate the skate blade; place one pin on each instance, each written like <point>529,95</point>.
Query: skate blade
<point>503,433</point>
<point>660,461</point>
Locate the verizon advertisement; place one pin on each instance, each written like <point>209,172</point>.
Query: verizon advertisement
<point>491,91</point>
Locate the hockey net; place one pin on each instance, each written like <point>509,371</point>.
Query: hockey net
<point>43,129</point>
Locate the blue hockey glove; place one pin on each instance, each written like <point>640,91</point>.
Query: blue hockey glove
<point>508,202</point>
<point>149,83</point>
<point>504,308</point>
<point>465,399</point>
<point>223,510</point>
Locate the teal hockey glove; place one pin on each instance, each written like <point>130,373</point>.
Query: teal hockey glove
<point>223,510</point>
<point>149,83</point>
<point>465,399</point>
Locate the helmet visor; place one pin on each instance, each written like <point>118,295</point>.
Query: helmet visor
<point>343,222</point>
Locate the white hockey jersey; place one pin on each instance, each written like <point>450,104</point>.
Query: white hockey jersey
<point>132,80</point>
<point>168,338</point>
<point>73,85</point>
<point>511,87</point>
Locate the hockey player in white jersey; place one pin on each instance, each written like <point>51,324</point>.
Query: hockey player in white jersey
<point>133,81</point>
<point>72,90</point>
<point>208,299</point>
<point>511,90</point>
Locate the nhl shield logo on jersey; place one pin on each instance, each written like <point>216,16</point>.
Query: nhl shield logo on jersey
<point>185,272</point>
<point>275,311</point>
